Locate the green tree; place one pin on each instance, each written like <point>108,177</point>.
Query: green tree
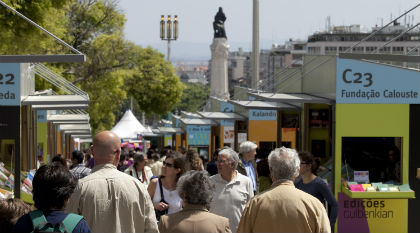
<point>102,77</point>
<point>194,97</point>
<point>114,69</point>
<point>21,37</point>
<point>153,84</point>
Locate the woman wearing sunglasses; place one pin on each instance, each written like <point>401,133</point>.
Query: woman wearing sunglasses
<point>163,191</point>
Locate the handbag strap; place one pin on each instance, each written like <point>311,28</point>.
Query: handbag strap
<point>162,198</point>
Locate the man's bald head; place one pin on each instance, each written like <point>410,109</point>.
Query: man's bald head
<point>106,146</point>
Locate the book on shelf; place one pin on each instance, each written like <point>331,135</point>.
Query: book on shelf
<point>356,188</point>
<point>365,186</point>
<point>404,188</point>
<point>371,189</point>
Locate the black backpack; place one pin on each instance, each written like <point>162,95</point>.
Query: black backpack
<point>41,224</point>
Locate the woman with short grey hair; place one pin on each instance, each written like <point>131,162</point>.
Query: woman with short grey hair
<point>196,190</point>
<point>284,163</point>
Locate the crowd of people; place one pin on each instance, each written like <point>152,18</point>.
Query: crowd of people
<point>118,190</point>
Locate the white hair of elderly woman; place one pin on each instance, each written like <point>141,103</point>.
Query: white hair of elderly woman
<point>284,163</point>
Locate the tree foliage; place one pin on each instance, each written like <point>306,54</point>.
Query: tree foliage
<point>115,68</point>
<point>194,97</point>
<point>154,84</point>
<point>25,38</point>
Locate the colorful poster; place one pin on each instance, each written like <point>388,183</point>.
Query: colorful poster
<point>228,134</point>
<point>198,135</point>
<point>359,82</point>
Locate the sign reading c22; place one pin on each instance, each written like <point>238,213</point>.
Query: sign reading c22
<point>9,84</point>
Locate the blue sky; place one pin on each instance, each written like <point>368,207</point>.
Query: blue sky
<point>279,20</point>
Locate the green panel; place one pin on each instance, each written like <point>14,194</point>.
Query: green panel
<point>319,74</point>
<point>42,137</point>
<point>372,120</point>
<point>289,80</point>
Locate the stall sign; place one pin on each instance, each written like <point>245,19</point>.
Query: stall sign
<point>262,115</point>
<point>360,82</point>
<point>198,135</point>
<point>371,215</point>
<point>41,116</point>
<point>226,107</point>
<point>227,123</point>
<point>9,84</point>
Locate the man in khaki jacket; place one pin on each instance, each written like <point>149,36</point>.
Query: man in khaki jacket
<point>110,200</point>
<point>283,208</point>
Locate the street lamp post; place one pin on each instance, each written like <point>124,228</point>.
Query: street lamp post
<point>171,26</point>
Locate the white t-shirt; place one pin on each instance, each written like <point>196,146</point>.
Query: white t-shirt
<point>171,197</point>
<point>231,197</point>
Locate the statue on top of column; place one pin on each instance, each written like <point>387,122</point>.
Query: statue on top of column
<point>219,24</point>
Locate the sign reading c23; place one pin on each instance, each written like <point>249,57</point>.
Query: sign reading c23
<point>364,82</point>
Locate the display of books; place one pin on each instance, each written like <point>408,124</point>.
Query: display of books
<point>376,187</point>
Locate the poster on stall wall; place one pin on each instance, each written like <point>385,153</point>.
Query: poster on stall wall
<point>228,134</point>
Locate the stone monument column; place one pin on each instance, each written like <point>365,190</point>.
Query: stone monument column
<point>219,86</point>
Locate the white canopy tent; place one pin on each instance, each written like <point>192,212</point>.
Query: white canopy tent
<point>129,127</point>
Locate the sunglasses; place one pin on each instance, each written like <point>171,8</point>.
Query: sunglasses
<point>168,164</point>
